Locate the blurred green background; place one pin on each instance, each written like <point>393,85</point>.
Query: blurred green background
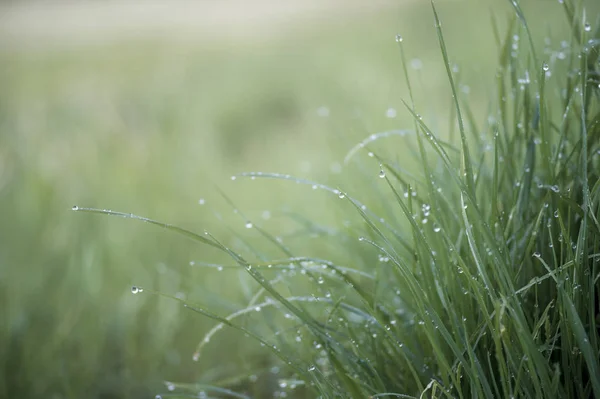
<point>148,110</point>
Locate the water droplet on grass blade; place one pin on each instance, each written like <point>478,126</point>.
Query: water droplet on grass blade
<point>399,39</point>
<point>587,27</point>
<point>545,67</point>
<point>75,208</point>
<point>136,290</point>
<point>249,225</point>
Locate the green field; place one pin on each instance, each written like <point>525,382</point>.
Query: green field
<point>157,127</point>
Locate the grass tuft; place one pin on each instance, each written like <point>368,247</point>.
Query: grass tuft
<point>481,281</point>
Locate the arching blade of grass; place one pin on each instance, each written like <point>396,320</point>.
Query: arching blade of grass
<point>372,138</point>
<point>291,362</point>
<point>187,233</point>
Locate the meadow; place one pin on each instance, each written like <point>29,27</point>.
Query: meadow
<point>353,239</point>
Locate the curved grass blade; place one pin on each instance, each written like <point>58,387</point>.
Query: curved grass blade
<point>179,230</point>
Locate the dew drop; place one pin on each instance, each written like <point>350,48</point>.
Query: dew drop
<point>399,39</point>
<point>136,290</point>
<point>249,225</point>
<point>311,368</point>
<point>233,177</point>
<point>437,229</point>
<point>545,67</point>
<point>370,154</point>
<point>382,174</point>
<point>75,208</point>
<point>341,195</point>
<point>170,386</point>
<point>537,255</point>
<point>587,27</point>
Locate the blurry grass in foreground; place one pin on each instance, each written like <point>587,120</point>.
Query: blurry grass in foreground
<point>416,300</point>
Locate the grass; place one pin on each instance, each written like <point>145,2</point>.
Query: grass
<point>475,276</point>
<point>422,270</point>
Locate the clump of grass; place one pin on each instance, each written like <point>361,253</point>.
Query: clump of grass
<point>482,280</point>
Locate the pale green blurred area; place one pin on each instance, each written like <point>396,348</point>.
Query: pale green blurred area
<point>152,125</point>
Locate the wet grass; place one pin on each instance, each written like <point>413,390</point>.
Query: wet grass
<point>490,287</point>
<point>453,261</point>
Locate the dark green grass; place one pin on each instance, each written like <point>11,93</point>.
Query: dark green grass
<point>475,276</point>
